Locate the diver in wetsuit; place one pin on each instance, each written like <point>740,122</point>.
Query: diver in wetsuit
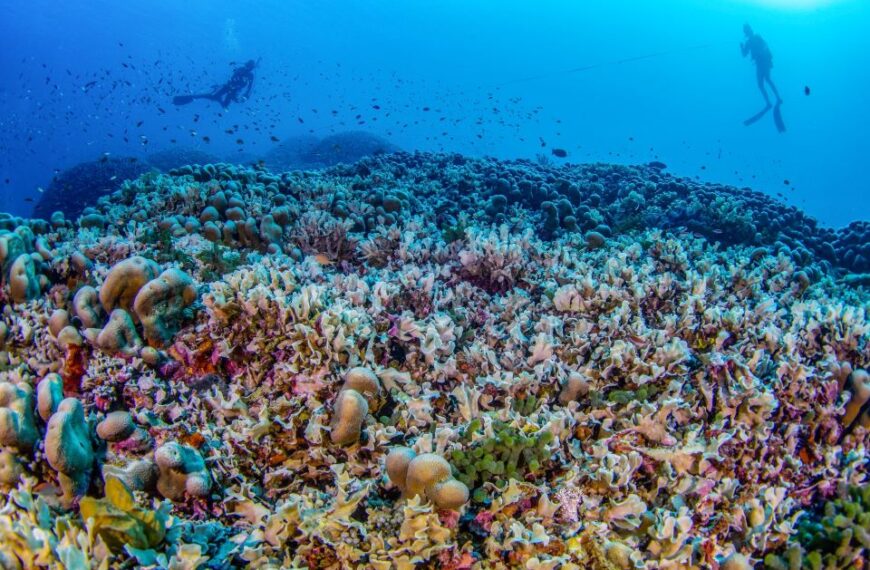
<point>236,90</point>
<point>757,48</point>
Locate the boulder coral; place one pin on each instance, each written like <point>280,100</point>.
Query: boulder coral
<point>17,421</point>
<point>182,472</point>
<point>57,321</point>
<point>116,426</point>
<point>49,395</point>
<point>160,305</point>
<point>858,408</point>
<point>23,280</point>
<point>11,246</point>
<point>124,281</point>
<point>119,336</point>
<point>350,413</point>
<point>359,394</point>
<point>426,475</point>
<point>68,448</point>
<point>137,474</point>
<point>86,306</point>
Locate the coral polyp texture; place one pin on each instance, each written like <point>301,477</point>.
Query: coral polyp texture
<point>432,361</point>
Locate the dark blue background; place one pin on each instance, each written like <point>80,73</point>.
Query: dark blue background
<point>469,63</point>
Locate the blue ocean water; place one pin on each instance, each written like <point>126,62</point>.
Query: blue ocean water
<point>620,81</point>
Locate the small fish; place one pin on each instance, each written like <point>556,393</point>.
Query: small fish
<point>323,259</point>
<point>113,178</point>
<point>806,89</point>
<point>40,189</point>
<point>560,152</point>
<point>28,199</point>
<point>786,182</point>
<point>274,138</point>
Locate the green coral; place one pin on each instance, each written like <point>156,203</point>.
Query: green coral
<point>526,406</point>
<point>733,215</point>
<point>120,522</point>
<point>509,454</point>
<point>641,394</point>
<point>220,260</point>
<point>836,538</point>
<point>455,232</point>
<point>164,251</point>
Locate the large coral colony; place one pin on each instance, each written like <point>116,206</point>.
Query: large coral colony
<point>431,361</point>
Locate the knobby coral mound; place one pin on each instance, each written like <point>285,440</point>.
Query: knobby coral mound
<point>429,360</point>
<point>83,184</point>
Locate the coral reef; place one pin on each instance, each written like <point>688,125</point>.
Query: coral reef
<point>421,361</point>
<point>75,188</point>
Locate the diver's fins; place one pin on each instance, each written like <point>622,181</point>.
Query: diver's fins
<point>754,118</point>
<point>777,117</point>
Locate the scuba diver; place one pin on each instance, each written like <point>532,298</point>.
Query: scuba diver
<point>236,90</point>
<point>756,47</point>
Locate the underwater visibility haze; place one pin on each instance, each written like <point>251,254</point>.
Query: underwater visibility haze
<point>457,285</point>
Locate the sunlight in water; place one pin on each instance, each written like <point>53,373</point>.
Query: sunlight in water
<point>793,4</point>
